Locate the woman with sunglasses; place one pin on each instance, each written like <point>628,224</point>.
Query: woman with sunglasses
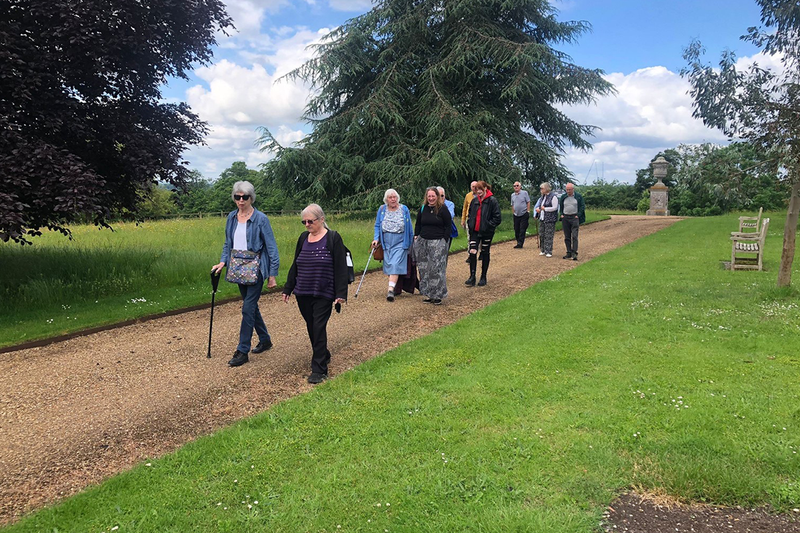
<point>318,278</point>
<point>248,229</point>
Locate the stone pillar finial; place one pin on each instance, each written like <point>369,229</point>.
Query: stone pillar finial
<point>659,197</point>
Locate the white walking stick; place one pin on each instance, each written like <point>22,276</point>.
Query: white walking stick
<point>365,273</point>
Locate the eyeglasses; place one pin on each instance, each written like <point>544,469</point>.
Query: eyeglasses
<point>238,197</point>
<point>309,222</point>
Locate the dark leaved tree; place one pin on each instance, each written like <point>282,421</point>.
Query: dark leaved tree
<point>759,105</point>
<point>424,92</point>
<point>83,129</point>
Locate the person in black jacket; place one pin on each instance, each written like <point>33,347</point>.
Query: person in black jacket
<point>484,217</point>
<point>318,278</point>
<point>431,233</point>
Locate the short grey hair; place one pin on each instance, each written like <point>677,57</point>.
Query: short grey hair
<point>390,192</point>
<point>314,211</point>
<point>440,189</point>
<point>244,187</point>
<point>546,186</point>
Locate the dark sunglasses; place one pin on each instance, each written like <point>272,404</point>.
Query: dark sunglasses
<point>238,197</point>
<point>309,222</point>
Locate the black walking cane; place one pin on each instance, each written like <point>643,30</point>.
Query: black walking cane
<point>214,285</point>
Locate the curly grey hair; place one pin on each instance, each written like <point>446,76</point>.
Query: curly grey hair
<point>390,192</point>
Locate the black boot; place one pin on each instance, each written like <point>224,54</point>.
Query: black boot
<point>239,358</point>
<point>473,265</point>
<point>484,270</point>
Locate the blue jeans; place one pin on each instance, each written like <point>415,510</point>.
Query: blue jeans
<point>251,316</point>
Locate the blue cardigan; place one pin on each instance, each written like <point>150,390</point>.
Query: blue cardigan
<point>408,229</point>
<point>259,239</point>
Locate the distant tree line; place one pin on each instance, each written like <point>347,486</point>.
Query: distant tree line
<point>704,180</point>
<point>202,195</point>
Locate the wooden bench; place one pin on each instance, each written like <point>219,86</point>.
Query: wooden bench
<point>747,250</point>
<point>751,224</point>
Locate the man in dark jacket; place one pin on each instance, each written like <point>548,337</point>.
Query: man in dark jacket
<point>484,217</point>
<point>573,214</point>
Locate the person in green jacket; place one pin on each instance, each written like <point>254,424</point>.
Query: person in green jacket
<point>573,214</point>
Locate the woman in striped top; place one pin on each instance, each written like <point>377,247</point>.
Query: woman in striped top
<point>318,278</point>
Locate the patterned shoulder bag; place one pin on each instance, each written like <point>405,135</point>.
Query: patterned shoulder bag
<point>243,267</point>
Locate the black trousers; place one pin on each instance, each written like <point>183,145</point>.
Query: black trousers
<point>520,227</point>
<point>570,224</point>
<point>316,312</point>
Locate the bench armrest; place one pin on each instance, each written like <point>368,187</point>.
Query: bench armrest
<point>736,236</point>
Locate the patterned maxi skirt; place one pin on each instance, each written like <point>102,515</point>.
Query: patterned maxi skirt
<point>432,263</point>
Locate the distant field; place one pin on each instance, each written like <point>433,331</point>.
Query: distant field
<point>647,368</point>
<point>58,286</point>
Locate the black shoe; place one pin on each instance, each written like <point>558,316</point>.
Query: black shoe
<point>470,281</point>
<point>427,301</point>
<point>262,346</point>
<point>482,282</point>
<point>316,378</point>
<point>436,301</point>
<point>239,358</point>
<point>390,296</point>
<point>518,246</point>
<point>467,260</point>
<point>568,256</point>
<point>575,257</point>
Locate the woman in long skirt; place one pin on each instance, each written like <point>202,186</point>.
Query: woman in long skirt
<point>395,234</point>
<point>430,246</point>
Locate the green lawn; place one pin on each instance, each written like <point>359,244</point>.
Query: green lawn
<point>647,367</point>
<point>101,277</point>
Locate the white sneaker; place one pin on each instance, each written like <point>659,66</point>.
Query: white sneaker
<point>541,253</point>
<point>548,255</point>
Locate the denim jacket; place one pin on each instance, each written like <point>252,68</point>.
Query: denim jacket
<point>408,229</point>
<point>260,239</point>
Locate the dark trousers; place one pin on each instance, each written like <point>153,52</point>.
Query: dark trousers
<point>481,246</point>
<point>570,224</point>
<point>520,227</point>
<point>251,316</point>
<point>316,312</point>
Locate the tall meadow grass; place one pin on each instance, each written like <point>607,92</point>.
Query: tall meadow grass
<point>57,286</point>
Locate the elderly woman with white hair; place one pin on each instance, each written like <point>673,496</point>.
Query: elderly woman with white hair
<point>318,278</point>
<point>394,232</point>
<point>251,254</point>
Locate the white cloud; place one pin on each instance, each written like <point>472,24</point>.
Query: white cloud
<point>248,15</point>
<point>234,99</point>
<point>651,112</point>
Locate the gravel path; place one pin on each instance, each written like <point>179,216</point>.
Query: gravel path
<point>76,412</point>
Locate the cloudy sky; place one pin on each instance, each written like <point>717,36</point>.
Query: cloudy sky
<point>638,43</point>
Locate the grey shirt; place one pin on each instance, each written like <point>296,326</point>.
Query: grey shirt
<point>519,202</point>
<point>570,206</point>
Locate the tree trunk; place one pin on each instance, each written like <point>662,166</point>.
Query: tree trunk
<point>789,234</point>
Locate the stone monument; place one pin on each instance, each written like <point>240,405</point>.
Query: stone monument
<point>659,198</point>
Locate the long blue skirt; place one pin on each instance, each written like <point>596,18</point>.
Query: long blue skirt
<point>395,258</point>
